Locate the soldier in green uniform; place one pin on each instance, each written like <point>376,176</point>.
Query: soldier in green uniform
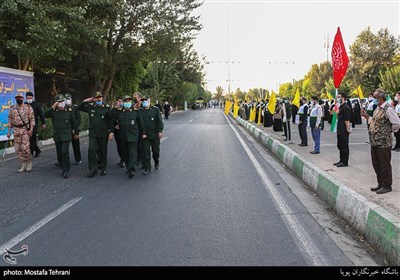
<point>117,108</point>
<point>63,123</point>
<point>75,141</point>
<point>154,128</point>
<point>100,131</point>
<point>130,126</point>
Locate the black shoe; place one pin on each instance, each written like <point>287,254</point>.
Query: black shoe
<point>146,172</point>
<point>303,145</point>
<point>138,163</point>
<point>131,173</point>
<point>91,174</point>
<point>376,188</point>
<point>79,162</point>
<point>314,152</point>
<point>284,139</point>
<point>156,166</point>
<point>37,154</point>
<point>121,163</point>
<point>384,190</point>
<point>342,164</point>
<point>57,164</point>
<point>65,174</point>
<point>395,148</point>
<point>339,162</point>
<point>104,172</point>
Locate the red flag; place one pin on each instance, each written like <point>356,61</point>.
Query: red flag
<point>340,60</point>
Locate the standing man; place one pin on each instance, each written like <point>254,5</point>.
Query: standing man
<point>287,116</point>
<point>137,100</point>
<point>65,128</point>
<point>75,140</point>
<point>167,110</point>
<point>100,132</point>
<point>117,109</point>
<point>343,130</point>
<point>130,124</point>
<point>37,112</point>
<point>22,120</point>
<point>382,124</point>
<point>397,109</point>
<point>302,112</point>
<point>158,105</point>
<point>154,128</point>
<point>315,122</point>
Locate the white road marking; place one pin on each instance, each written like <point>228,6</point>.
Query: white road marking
<point>17,239</point>
<point>190,121</point>
<point>309,250</point>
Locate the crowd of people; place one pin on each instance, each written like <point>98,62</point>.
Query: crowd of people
<point>136,126</point>
<point>381,112</point>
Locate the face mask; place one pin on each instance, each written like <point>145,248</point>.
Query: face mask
<point>61,104</point>
<point>68,102</point>
<point>339,100</point>
<point>369,99</point>
<point>29,101</point>
<point>396,98</point>
<point>286,101</point>
<point>20,101</point>
<point>99,102</point>
<point>127,105</point>
<point>145,103</point>
<point>375,101</point>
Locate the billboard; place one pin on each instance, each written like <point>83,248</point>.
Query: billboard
<point>12,81</point>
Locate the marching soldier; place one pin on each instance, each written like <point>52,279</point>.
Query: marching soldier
<point>64,122</point>
<point>100,131</point>
<point>154,128</point>
<point>118,107</point>
<point>21,119</point>
<point>75,140</point>
<point>130,126</point>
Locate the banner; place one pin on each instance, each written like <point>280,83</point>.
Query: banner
<point>12,81</point>
<point>340,60</point>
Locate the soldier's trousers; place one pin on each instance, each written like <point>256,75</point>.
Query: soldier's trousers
<point>33,141</point>
<point>62,149</point>
<point>129,152</point>
<point>98,153</point>
<point>118,142</point>
<point>154,144</point>
<point>76,146</point>
<point>22,146</point>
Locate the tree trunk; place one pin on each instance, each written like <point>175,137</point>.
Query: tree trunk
<point>108,85</point>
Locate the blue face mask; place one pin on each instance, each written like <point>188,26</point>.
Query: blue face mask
<point>127,105</point>
<point>339,100</point>
<point>145,103</point>
<point>375,101</point>
<point>99,102</point>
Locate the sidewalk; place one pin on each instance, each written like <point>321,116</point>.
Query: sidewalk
<point>347,189</point>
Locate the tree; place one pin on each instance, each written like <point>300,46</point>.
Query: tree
<point>219,93</point>
<point>390,79</point>
<point>370,54</point>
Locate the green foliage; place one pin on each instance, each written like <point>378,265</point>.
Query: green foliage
<point>390,79</point>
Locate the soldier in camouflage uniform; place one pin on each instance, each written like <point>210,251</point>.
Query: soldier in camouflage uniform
<point>100,131</point>
<point>22,120</point>
<point>154,128</point>
<point>64,122</point>
<point>130,127</point>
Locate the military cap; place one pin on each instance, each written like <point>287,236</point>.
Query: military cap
<point>145,97</point>
<point>127,97</point>
<point>98,94</point>
<point>19,95</point>
<point>59,98</point>
<point>67,95</point>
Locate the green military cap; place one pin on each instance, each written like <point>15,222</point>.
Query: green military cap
<point>145,97</point>
<point>98,94</point>
<point>19,95</point>
<point>127,97</point>
<point>59,98</point>
<point>67,95</point>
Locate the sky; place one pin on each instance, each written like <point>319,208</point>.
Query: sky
<point>272,42</point>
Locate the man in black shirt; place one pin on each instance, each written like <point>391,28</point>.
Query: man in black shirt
<point>38,112</point>
<point>343,130</point>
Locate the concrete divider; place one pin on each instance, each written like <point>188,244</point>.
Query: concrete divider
<point>380,228</point>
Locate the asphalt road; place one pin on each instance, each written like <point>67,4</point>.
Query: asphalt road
<point>215,201</point>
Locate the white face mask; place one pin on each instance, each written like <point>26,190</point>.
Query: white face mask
<point>68,102</point>
<point>61,104</point>
<point>29,101</point>
<point>396,98</point>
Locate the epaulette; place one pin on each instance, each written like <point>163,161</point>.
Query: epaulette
<point>70,109</point>
<point>107,106</point>
<point>154,107</point>
<point>91,104</point>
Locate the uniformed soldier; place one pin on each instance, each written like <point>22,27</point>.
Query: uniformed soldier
<point>130,125</point>
<point>117,108</point>
<point>137,105</point>
<point>22,120</point>
<point>100,131</point>
<point>75,140</point>
<point>63,119</point>
<point>154,128</point>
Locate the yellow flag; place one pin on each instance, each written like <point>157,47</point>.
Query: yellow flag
<point>259,116</point>
<point>235,110</point>
<point>359,92</point>
<point>228,106</point>
<point>296,100</point>
<point>329,96</point>
<point>272,103</point>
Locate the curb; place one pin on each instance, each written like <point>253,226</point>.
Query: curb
<point>46,142</point>
<point>381,228</point>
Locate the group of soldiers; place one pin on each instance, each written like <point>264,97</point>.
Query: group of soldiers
<point>136,126</point>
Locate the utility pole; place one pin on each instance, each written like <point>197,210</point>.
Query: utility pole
<point>326,46</point>
<point>229,59</point>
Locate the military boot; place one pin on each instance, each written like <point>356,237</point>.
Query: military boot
<point>29,166</point>
<point>23,167</point>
